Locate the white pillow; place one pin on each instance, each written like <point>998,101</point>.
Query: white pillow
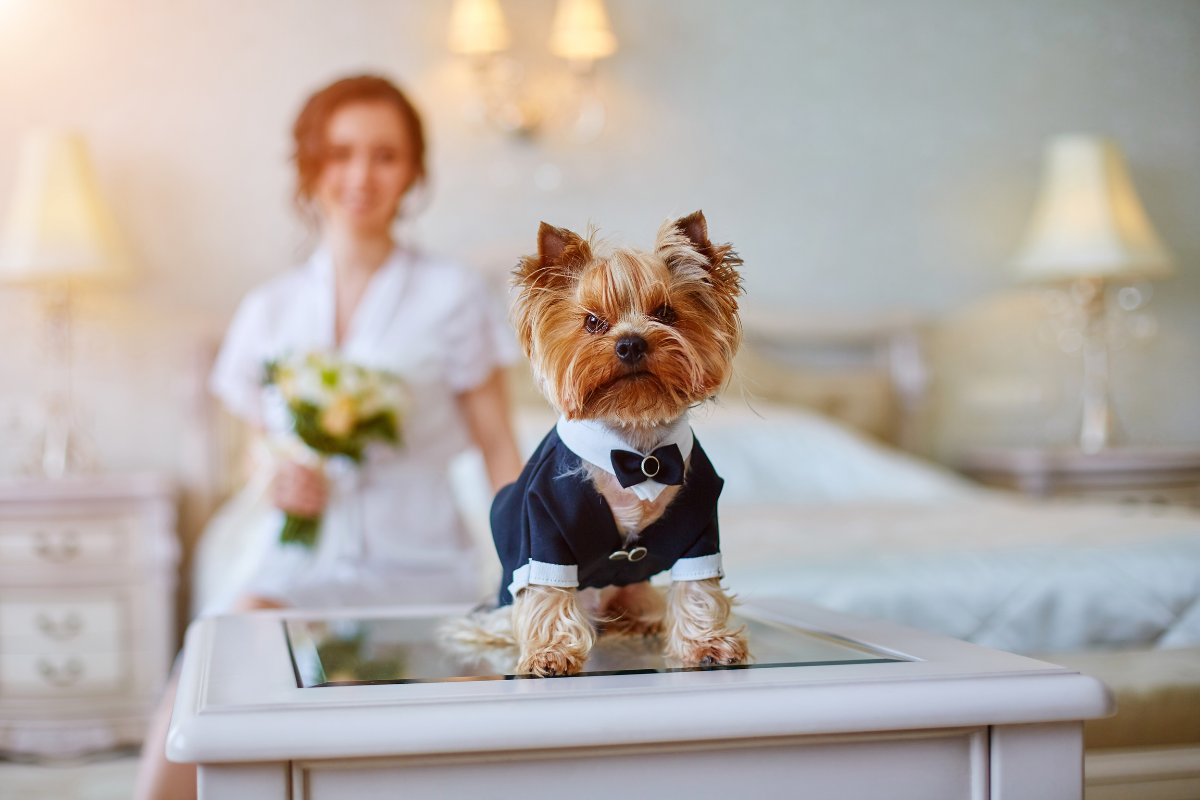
<point>785,455</point>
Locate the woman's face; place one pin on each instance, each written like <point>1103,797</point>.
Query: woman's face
<point>368,167</point>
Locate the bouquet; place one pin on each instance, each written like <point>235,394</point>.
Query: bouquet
<point>337,409</point>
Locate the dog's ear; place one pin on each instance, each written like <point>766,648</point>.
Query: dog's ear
<point>561,254</point>
<point>695,228</point>
<point>561,247</point>
<point>685,241</point>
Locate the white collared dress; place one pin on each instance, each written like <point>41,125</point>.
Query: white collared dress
<point>390,532</point>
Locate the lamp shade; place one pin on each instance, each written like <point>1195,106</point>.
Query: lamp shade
<point>477,28</point>
<point>581,31</point>
<point>58,225</point>
<point>1088,221</point>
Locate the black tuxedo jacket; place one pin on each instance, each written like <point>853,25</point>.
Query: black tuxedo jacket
<point>552,514</point>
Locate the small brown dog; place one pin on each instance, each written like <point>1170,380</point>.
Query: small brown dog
<point>622,343</point>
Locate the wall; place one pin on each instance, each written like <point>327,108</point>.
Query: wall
<point>863,155</point>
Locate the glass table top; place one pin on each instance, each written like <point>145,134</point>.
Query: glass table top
<point>352,652</point>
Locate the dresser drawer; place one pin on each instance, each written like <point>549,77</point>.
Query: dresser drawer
<point>65,540</point>
<point>62,674</point>
<point>87,624</point>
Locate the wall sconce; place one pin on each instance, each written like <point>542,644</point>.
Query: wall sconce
<point>479,32</point>
<point>477,28</point>
<point>580,33</point>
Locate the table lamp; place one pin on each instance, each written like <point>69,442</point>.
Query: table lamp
<point>59,235</point>
<point>1089,227</point>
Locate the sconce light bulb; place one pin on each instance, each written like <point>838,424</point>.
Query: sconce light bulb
<point>581,32</point>
<point>477,28</point>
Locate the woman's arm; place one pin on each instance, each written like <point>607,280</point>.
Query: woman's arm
<point>485,409</point>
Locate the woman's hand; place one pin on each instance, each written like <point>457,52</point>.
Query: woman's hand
<point>299,490</point>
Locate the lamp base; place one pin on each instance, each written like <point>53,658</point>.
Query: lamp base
<point>1097,430</point>
<point>62,448</point>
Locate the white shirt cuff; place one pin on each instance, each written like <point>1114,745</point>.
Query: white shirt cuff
<point>698,569</point>
<point>539,573</point>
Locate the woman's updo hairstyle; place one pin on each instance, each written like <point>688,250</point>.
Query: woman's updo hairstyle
<point>311,125</point>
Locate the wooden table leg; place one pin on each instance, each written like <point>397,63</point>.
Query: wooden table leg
<point>264,781</point>
<point>1037,762</point>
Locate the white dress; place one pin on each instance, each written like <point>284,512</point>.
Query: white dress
<point>390,532</point>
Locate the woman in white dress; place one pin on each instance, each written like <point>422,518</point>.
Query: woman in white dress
<point>389,532</point>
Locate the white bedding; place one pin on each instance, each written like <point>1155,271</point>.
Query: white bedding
<point>1002,574</point>
<point>812,511</point>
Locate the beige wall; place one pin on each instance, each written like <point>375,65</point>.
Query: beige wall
<point>862,155</point>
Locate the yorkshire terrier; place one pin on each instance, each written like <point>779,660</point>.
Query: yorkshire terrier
<point>622,343</point>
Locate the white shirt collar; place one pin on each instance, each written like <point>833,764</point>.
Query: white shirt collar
<point>375,308</point>
<point>594,442</point>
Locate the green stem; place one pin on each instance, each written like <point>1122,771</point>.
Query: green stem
<point>300,530</point>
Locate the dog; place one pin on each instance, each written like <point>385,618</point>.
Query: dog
<point>622,343</point>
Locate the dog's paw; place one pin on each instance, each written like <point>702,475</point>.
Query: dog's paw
<point>550,663</point>
<point>719,650</point>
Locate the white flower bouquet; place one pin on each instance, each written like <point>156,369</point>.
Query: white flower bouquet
<point>337,409</point>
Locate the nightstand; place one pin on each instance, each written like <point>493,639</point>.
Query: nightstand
<point>1133,475</point>
<point>324,704</point>
<point>87,586</point>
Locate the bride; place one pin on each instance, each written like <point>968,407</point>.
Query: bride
<point>389,532</point>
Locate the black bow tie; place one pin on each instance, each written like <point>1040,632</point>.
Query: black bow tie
<point>664,465</point>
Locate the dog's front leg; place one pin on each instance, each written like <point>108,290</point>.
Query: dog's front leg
<point>554,633</point>
<point>697,625</point>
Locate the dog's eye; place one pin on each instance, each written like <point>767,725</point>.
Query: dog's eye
<point>594,324</point>
<point>664,314</point>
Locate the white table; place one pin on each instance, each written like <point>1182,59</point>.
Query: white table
<point>931,718</point>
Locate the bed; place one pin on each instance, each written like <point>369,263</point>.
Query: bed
<point>889,536</point>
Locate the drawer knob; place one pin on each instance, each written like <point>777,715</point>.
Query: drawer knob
<point>67,675</point>
<point>65,548</point>
<point>69,627</point>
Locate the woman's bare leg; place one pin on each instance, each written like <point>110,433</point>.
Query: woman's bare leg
<point>158,778</point>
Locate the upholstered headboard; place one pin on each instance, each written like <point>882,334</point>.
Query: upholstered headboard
<point>868,372</point>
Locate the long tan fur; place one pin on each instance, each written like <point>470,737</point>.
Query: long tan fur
<point>552,630</point>
<point>632,514</point>
<point>690,354</point>
<point>479,632</point>
<point>697,625</point>
<point>634,610</point>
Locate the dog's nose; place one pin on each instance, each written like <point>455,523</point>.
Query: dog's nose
<point>631,349</point>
